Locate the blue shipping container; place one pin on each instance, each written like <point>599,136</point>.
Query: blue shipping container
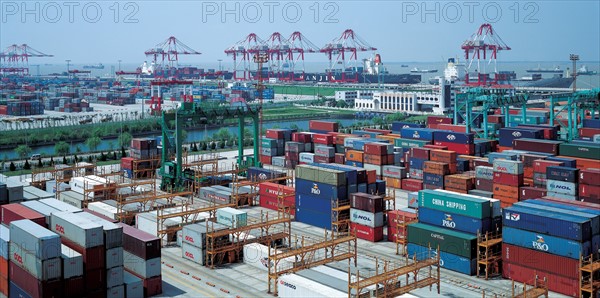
<point>567,162</point>
<point>546,222</point>
<point>508,135</point>
<point>454,221</point>
<point>380,186</point>
<point>398,126</point>
<point>354,163</point>
<point>433,179</point>
<point>500,155</point>
<point>416,163</point>
<point>562,174</point>
<point>545,243</point>
<point>417,133</point>
<point>362,187</point>
<point>16,291</point>
<point>453,137</point>
<point>591,123</point>
<point>593,218</point>
<point>322,190</point>
<point>447,260</point>
<point>371,188</point>
<point>314,218</point>
<point>312,202</point>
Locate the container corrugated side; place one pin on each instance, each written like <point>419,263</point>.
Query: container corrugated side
<point>44,243</point>
<point>463,205</point>
<point>62,206</point>
<point>231,217</point>
<point>539,260</point>
<point>72,262</point>
<point>141,244</point>
<point>134,286</point>
<point>294,286</point>
<point>594,218</point>
<point>547,222</point>
<point>455,222</point>
<point>42,269</point>
<point>141,267</point>
<point>113,234</point>
<point>77,229</point>
<point>193,253</point>
<point>114,276</point>
<point>114,257</point>
<point>453,242</point>
<point>257,255</point>
<point>550,244</point>
<point>116,292</point>
<point>366,218</point>
<point>4,241</point>
<point>447,260</point>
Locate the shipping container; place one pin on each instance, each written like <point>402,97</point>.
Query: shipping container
<point>458,243</point>
<point>116,292</point>
<point>231,217</point>
<point>16,291</point>
<point>41,269</point>
<point>320,174</point>
<point>556,283</point>
<point>317,218</point>
<point>114,277</point>
<point>453,137</point>
<point>548,222</point>
<point>295,286</point>
<point>257,256</point>
<point>373,234</point>
<point>143,268</point>
<point>42,243</point>
<point>562,174</point>
<point>592,214</point>
<point>591,150</point>
<point>4,242</point>
<point>365,218</point>
<point>134,286</point>
<point>550,244</point>
<point>113,234</point>
<point>139,243</point>
<point>367,202</point>
<point>508,179</point>
<point>508,135</point>
<point>34,287</point>
<point>193,253</point>
<point>537,145</point>
<point>539,260</point>
<point>12,212</point>
<point>322,190</point>
<point>562,187</point>
<point>77,229</point>
<point>457,222</point>
<point>458,204</point>
<point>74,287</point>
<point>447,260</point>
<point>62,206</point>
<point>72,263</point>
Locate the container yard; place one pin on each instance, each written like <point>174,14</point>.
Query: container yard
<point>266,177</point>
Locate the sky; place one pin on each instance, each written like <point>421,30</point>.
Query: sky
<point>402,31</point>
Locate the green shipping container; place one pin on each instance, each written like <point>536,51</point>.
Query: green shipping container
<point>455,203</point>
<point>462,244</point>
<point>580,150</point>
<point>322,175</point>
<point>408,143</point>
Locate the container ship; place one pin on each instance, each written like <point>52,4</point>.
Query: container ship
<point>94,66</point>
<point>556,69</point>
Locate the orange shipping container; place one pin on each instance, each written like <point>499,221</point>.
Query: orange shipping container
<point>389,138</point>
<point>375,159</point>
<point>339,139</point>
<point>456,190</point>
<point>501,148</point>
<point>3,267</point>
<point>501,190</point>
<point>434,167</point>
<point>4,286</point>
<point>442,156</point>
<point>354,155</point>
<point>459,182</point>
<point>393,182</point>
<point>528,172</point>
<point>584,163</point>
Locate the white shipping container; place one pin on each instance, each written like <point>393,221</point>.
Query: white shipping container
<point>77,229</point>
<point>62,206</point>
<point>195,234</point>
<point>44,243</point>
<point>4,241</point>
<point>366,218</point>
<point>113,234</point>
<point>41,269</point>
<point>141,267</point>
<point>179,238</point>
<point>294,286</point>
<point>117,292</point>
<point>114,257</point>
<point>38,192</point>
<point>103,209</point>
<point>193,253</point>
<point>71,198</point>
<point>257,255</point>
<point>146,221</point>
<point>114,277</point>
<point>134,286</point>
<point>370,167</point>
<point>232,217</point>
<point>40,208</point>
<point>72,262</point>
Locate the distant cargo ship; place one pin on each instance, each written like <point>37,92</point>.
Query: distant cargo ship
<point>584,71</point>
<point>556,69</point>
<point>417,70</point>
<point>94,66</point>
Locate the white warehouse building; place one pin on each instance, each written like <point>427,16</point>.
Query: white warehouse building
<point>401,101</point>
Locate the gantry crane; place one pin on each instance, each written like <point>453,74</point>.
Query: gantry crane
<point>15,59</point>
<point>349,42</point>
<point>169,51</point>
<point>484,44</point>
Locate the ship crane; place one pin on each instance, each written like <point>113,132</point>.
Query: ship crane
<point>299,45</point>
<point>168,51</point>
<point>336,51</point>
<point>484,44</point>
<point>242,52</point>
<point>15,59</point>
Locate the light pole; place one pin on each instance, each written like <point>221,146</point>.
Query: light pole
<point>68,64</point>
<point>119,64</point>
<point>574,58</point>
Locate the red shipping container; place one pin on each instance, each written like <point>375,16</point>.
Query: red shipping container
<point>589,176</point>
<point>371,176</point>
<point>12,212</point>
<point>152,286</point>
<point>589,191</point>
<point>508,179</point>
<point>485,185</point>
<point>74,287</point>
<point>528,193</point>
<point>435,147</point>
<point>495,119</point>
<point>540,165</point>
<point>506,191</point>
<point>536,146</point>
<point>275,134</point>
<point>452,127</point>
<point>367,233</point>
<point>438,120</point>
<point>340,158</point>
<point>323,159</point>
<point>588,132</point>
<point>431,186</point>
<point>420,153</point>
<point>322,139</point>
<point>3,267</point>
<point>375,159</point>
<point>265,159</point>
<point>301,137</point>
<point>140,243</point>
<point>556,283</point>
<point>396,216</point>
<point>127,163</point>
<point>93,257</point>
<point>539,260</point>
<point>394,232</point>
<point>4,286</point>
<point>94,279</point>
<point>33,286</point>
<point>412,184</point>
<point>274,189</point>
<point>376,149</point>
<point>382,131</point>
<point>468,149</point>
<point>271,202</point>
<point>481,162</point>
<point>322,125</point>
<point>585,163</point>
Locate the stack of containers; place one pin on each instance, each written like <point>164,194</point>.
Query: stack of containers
<point>377,155</point>
<point>508,177</point>
<point>316,190</point>
<point>366,216</point>
<point>590,129</point>
<point>393,175</point>
<point>134,286</point>
<point>292,153</point>
<point>193,245</point>
<point>547,238</point>
<point>433,174</point>
<point>324,153</point>
<point>35,263</point>
<point>72,273</point>
<point>12,212</point>
<point>508,134</point>
<point>418,156</point>
<point>435,121</point>
<point>562,182</point>
<point>269,191</point>
<point>461,143</point>
<point>451,221</point>
<point>354,158</point>
<point>461,183</point>
<point>113,254</point>
<point>4,247</point>
<point>143,148</point>
<point>530,191</point>
<point>141,257</point>
<point>127,166</point>
<point>395,228</point>
<point>589,185</point>
<point>539,171</point>
<point>268,149</point>
<point>86,238</point>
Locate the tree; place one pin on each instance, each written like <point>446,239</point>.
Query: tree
<point>64,160</point>
<point>62,148</point>
<point>27,166</point>
<point>123,153</point>
<point>93,143</point>
<point>102,156</point>
<point>221,144</point>
<point>125,139</point>
<point>341,104</point>
<point>114,155</point>
<point>204,146</point>
<point>89,159</point>
<point>76,158</point>
<point>51,160</point>
<point>295,127</point>
<point>12,167</point>
<point>213,146</point>
<point>40,163</point>
<point>23,151</point>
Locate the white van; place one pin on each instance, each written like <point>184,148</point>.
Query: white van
<point>35,157</point>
